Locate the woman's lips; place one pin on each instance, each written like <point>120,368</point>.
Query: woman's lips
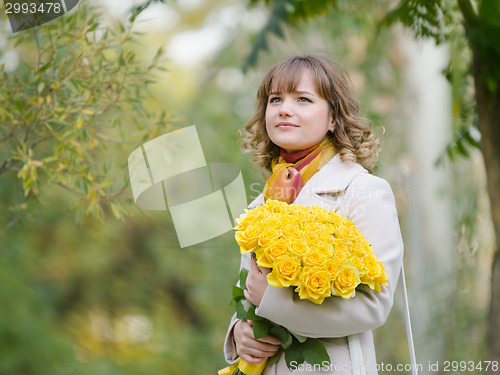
<point>285,125</point>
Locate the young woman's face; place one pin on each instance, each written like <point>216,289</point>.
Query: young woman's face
<point>300,119</point>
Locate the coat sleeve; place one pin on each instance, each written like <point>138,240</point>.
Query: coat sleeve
<point>369,203</point>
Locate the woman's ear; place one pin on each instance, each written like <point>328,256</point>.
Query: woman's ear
<point>331,126</point>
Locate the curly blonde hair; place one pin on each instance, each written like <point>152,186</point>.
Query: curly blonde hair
<point>352,137</point>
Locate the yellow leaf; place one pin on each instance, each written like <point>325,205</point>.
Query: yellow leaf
<point>79,122</point>
<point>102,136</point>
<point>33,173</point>
<point>115,211</point>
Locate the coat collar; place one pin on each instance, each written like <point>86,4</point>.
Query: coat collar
<point>334,177</point>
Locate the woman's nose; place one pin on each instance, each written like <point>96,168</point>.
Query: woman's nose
<point>285,109</point>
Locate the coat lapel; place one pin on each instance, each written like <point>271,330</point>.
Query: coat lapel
<point>334,177</point>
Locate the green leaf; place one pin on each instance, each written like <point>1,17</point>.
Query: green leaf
<point>240,311</point>
<point>299,337</point>
<point>315,353</point>
<point>261,328</point>
<point>462,141</point>
<point>294,356</point>
<point>44,67</point>
<point>489,12</point>
<point>470,139</point>
<point>237,293</point>
<point>243,278</point>
<point>40,87</point>
<point>283,334</point>
<point>115,211</point>
<point>251,314</point>
<point>285,12</point>
<point>275,358</point>
<point>57,121</point>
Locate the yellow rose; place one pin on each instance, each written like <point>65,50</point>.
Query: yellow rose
<point>299,247</point>
<point>289,218</point>
<point>347,232</point>
<point>329,228</point>
<point>341,256</point>
<point>320,213</point>
<point>272,253</point>
<point>315,284</point>
<point>276,206</point>
<point>341,245</point>
<point>291,231</point>
<point>325,236</point>
<point>312,227</point>
<point>375,273</point>
<point>249,238</point>
<point>372,266</point>
<point>251,217</point>
<point>337,220</point>
<point>361,247</point>
<point>303,215</point>
<point>357,262</point>
<point>268,235</point>
<point>312,238</point>
<point>331,267</point>
<point>272,221</point>
<point>346,281</point>
<point>325,248</point>
<point>291,209</point>
<point>258,251</point>
<point>314,257</point>
<point>286,272</point>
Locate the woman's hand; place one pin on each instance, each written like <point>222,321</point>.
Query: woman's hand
<point>256,283</point>
<point>248,348</point>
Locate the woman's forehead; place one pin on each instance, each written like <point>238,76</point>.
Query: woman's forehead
<point>286,81</point>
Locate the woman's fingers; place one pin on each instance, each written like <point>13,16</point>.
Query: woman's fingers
<point>256,284</point>
<point>271,340</point>
<point>247,346</point>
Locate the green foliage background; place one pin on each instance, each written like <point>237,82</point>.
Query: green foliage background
<point>89,284</point>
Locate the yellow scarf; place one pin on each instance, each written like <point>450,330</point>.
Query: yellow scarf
<point>288,178</point>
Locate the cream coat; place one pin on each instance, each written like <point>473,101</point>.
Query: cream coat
<point>369,203</point>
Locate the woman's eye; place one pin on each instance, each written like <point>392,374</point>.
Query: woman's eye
<point>306,100</point>
<point>275,99</point>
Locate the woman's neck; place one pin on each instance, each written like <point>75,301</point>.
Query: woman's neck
<point>294,156</point>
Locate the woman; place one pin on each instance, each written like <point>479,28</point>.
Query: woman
<point>306,130</point>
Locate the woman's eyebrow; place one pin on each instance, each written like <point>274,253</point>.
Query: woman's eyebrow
<point>293,92</point>
<point>304,92</point>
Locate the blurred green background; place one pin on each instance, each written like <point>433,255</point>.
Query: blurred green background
<point>90,284</point>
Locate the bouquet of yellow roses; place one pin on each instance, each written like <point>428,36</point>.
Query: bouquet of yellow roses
<point>318,252</point>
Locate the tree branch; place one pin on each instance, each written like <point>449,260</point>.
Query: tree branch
<point>470,15</point>
<point>7,164</point>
